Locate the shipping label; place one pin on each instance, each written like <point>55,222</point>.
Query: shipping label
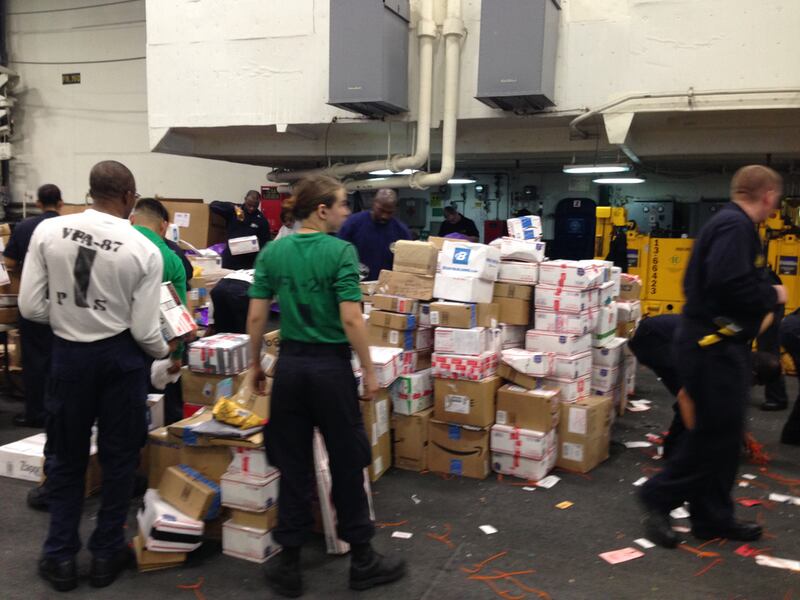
<point>456,404</point>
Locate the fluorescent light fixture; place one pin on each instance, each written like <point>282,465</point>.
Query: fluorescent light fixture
<point>390,172</point>
<point>619,180</point>
<point>596,169</point>
<point>460,180</point>
<point>377,179</point>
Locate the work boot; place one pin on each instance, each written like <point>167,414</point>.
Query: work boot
<point>772,405</point>
<point>105,571</point>
<point>369,568</point>
<point>658,528</point>
<point>62,574</point>
<point>283,573</point>
<point>742,531</point>
<point>39,498</point>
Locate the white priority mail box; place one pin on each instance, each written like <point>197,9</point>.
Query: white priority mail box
<point>526,273</point>
<point>24,459</point>
<point>535,364</point>
<point>572,390</point>
<point>472,342</point>
<point>244,245</point>
<point>524,468</point>
<point>630,310</point>
<point>250,461</point>
<point>221,354</point>
<point>522,250</point>
<point>525,228</point>
<point>605,379</point>
<point>387,364</point>
<point>175,320</point>
<point>155,411</point>
<point>166,529</point>
<point>563,322</point>
<point>572,367</point>
<point>522,442</point>
<point>611,354</point>
<point>605,294</point>
<point>537,340</point>
<point>562,299</point>
<point>246,492</point>
<point>463,289</point>
<point>572,273</point>
<point>606,327</point>
<point>250,544</point>
<point>464,259</point>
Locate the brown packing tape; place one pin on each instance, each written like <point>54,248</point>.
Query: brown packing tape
<point>415,257</point>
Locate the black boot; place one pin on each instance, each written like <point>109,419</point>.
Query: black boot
<point>771,405</point>
<point>369,568</point>
<point>39,498</point>
<point>62,574</point>
<point>283,573</point>
<point>105,571</point>
<point>658,528</point>
<point>742,531</point>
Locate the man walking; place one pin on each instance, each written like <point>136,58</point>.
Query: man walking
<point>96,281</point>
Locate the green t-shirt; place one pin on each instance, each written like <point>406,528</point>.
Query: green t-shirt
<point>174,272</point>
<point>310,274</point>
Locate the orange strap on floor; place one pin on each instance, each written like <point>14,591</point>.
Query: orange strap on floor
<point>397,524</point>
<point>195,587</point>
<point>708,567</point>
<point>697,552</point>
<point>478,566</point>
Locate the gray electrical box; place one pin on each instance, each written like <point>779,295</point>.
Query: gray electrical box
<point>652,216</point>
<point>517,59</point>
<point>369,56</point>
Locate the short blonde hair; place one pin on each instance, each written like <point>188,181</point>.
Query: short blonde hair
<point>751,181</point>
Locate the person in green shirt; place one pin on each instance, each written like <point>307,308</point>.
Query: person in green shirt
<point>315,276</point>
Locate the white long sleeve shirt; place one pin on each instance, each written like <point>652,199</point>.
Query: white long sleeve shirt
<point>92,276</point>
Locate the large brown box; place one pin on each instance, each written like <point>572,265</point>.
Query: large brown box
<point>584,433</point>
<point>415,257</point>
<point>211,461</point>
<point>458,450</point>
<point>513,311</point>
<point>410,440</point>
<point>465,402</point>
<point>162,452</point>
<point>395,283</point>
<point>536,410</point>
<point>463,315</point>
<point>205,228</point>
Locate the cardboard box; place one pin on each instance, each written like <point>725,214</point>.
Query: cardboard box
<point>617,397</point>
<point>471,342</point>
<point>211,461</point>
<point>524,468</point>
<point>395,338</point>
<point>525,228</point>
<point>611,354</point>
<point>412,393</point>
<point>470,368</point>
<point>521,250</point>
<point>563,322</point>
<point>408,361</point>
<point>424,314</point>
<point>465,402</point>
<point>198,225</point>
<point>424,359</point>
<point>162,452</point>
<point>511,336</point>
<point>376,423</point>
<point>155,411</point>
<point>163,528</point>
<point>605,379</point>
<point>463,289</point>
<point>584,434</point>
<point>464,315</point>
<point>368,287</point>
<point>630,287</point>
<point>518,272</point>
<point>9,315</point>
<point>190,492</point>
<point>205,389</point>
<point>514,311</point>
<point>396,283</point>
<point>265,520</point>
<point>410,440</point>
<point>419,258</point>
<point>535,364</point>
<point>147,561</point>
<point>630,375</point>
<point>395,304</point>
<point>272,342</point>
<point>513,376</point>
<point>627,330</point>
<point>221,354</point>
<point>464,259</point>
<point>387,364</point>
<point>458,450</point>
<point>573,367</point>
<point>399,321</point>
<point>571,273</point>
<point>522,442</point>
<point>515,291</point>
<point>176,321</point>
<point>246,492</point>
<point>189,409</point>
<point>629,310</point>
<point>254,545</point>
<point>563,299</point>
<point>250,461</point>
<point>605,330</point>
<point>572,390</point>
<point>521,408</point>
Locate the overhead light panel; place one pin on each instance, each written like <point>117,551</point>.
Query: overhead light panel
<point>596,169</point>
<point>460,180</point>
<point>619,180</point>
<point>390,172</point>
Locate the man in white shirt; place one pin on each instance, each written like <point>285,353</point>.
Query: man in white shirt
<point>96,281</point>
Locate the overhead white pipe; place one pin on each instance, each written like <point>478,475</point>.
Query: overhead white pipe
<point>426,33</point>
<point>453,31</point>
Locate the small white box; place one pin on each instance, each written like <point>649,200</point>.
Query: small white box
<point>525,273</point>
<point>160,523</point>
<point>573,273</point>
<point>463,289</point>
<point>464,259</point>
<point>472,342</point>
<point>522,250</point>
<point>605,379</point>
<point>221,354</point>
<point>606,327</point>
<point>247,543</point>
<point>250,461</point>
<point>246,492</point>
<point>562,299</point>
<point>512,336</point>
<point>567,344</point>
<point>616,278</point>
<point>155,411</point>
<point>572,367</point>
<point>525,228</point>
<point>174,318</point>
<point>605,294</point>
<point>611,354</point>
<point>412,392</point>
<point>630,310</point>
<point>410,406</point>
<point>386,363</point>
<point>562,322</point>
<point>524,468</point>
<point>244,245</point>
<point>535,364</point>
<point>522,442</point>
<point>572,390</point>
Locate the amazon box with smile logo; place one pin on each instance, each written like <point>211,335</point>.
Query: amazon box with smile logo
<point>458,450</point>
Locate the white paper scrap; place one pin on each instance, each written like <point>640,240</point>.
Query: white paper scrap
<point>403,535</point>
<point>548,481</point>
<point>640,482</point>
<point>744,484</point>
<point>487,529</point>
<point>778,563</point>
<point>415,499</point>
<point>638,444</point>
<point>779,498</point>
<point>749,476</point>
<point>528,488</point>
<point>644,543</point>
<point>681,529</point>
<point>679,513</point>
